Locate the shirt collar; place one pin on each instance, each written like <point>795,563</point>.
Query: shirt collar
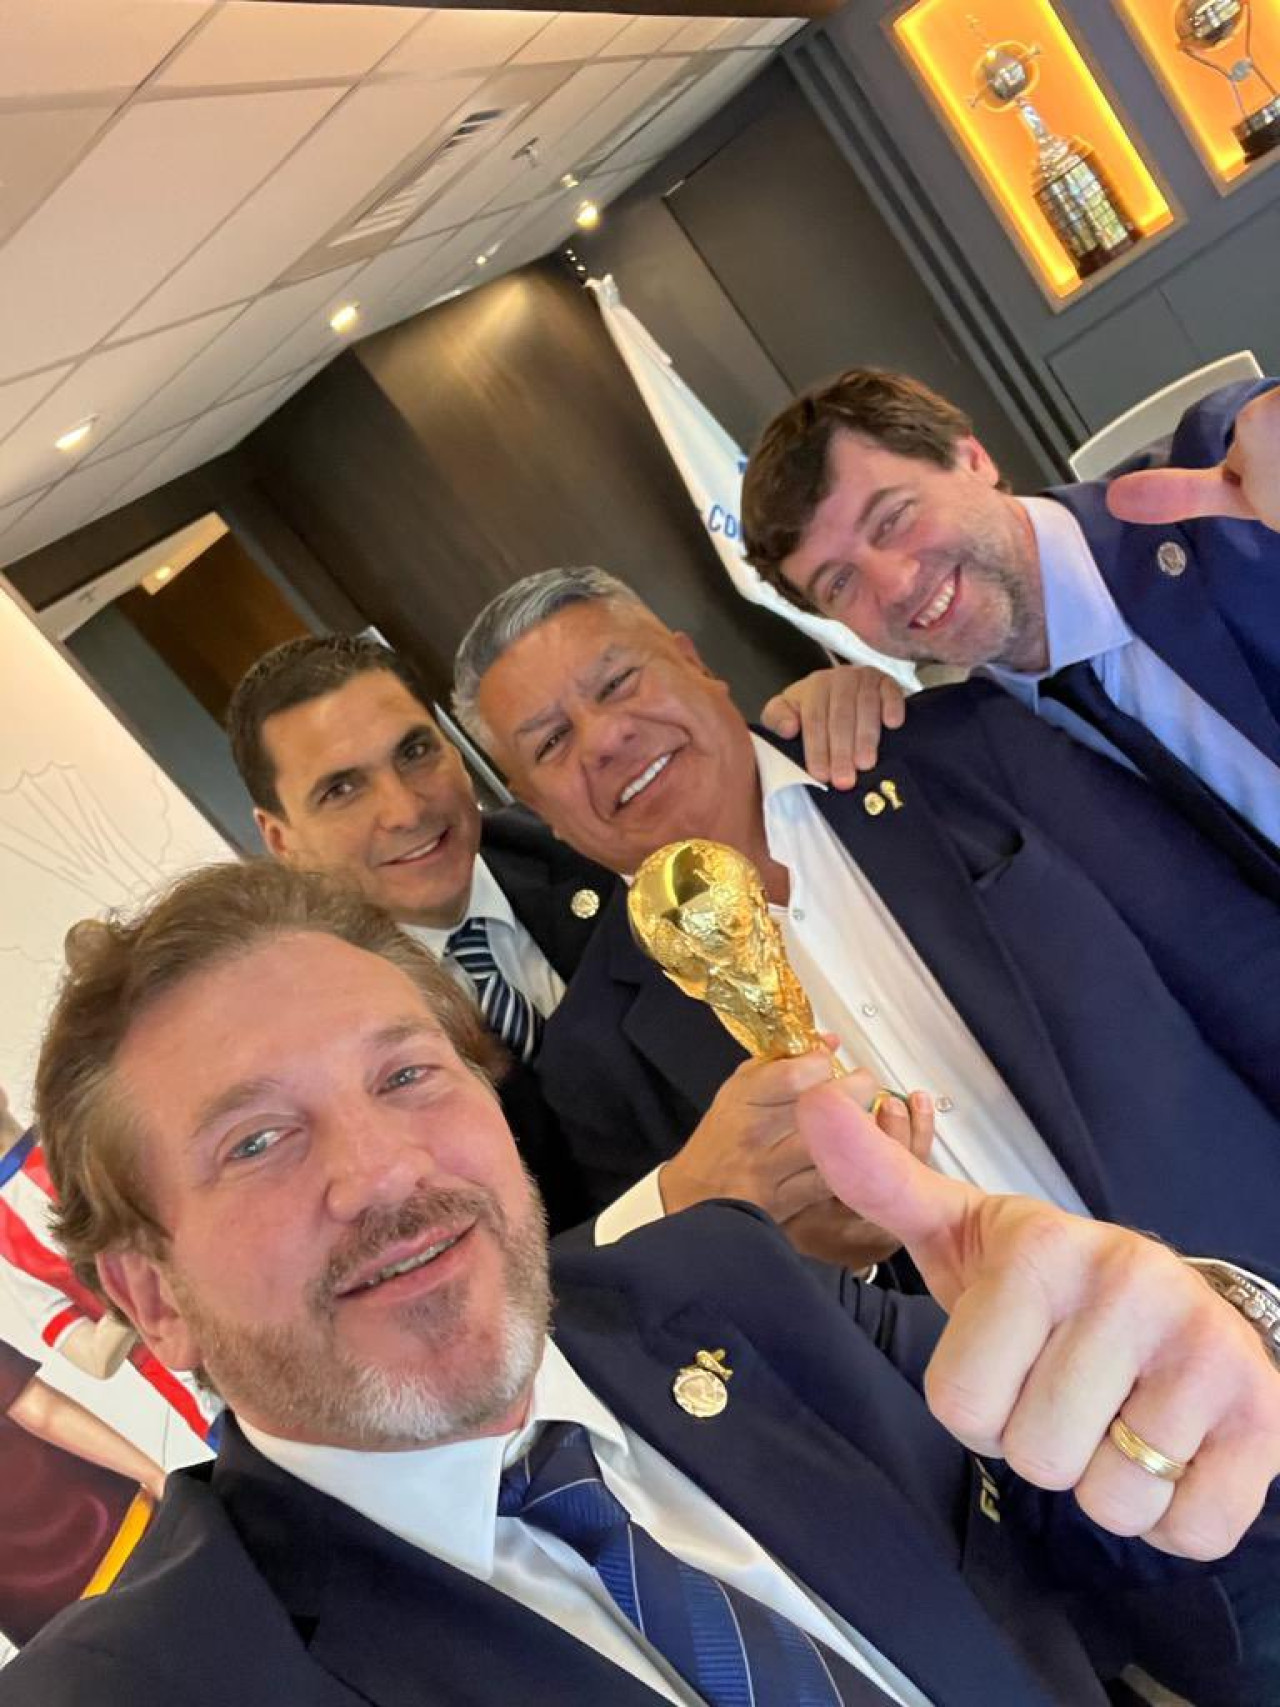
<point>778,774</point>
<point>486,901</point>
<point>1082,619</point>
<point>444,1499</point>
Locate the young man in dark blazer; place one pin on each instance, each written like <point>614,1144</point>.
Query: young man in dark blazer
<point>717,1483</point>
<point>349,773</point>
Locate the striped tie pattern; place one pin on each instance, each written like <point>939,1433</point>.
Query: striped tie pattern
<point>508,1012</point>
<point>728,1647</point>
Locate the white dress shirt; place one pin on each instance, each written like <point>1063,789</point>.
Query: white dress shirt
<point>1084,624</point>
<point>516,955</point>
<point>870,987</point>
<point>444,1499</point>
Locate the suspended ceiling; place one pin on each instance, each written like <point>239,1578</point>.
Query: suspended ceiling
<point>190,188</point>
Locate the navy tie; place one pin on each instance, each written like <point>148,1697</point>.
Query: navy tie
<point>1078,688</point>
<point>728,1647</point>
<point>508,1012</point>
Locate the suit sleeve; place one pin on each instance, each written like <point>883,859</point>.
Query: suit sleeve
<point>1214,940</point>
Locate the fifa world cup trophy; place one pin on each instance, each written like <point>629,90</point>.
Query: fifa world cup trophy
<point>699,909</point>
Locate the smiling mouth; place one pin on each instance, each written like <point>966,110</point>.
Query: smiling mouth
<point>638,784</point>
<point>423,850</point>
<point>406,1265</point>
<point>939,604</point>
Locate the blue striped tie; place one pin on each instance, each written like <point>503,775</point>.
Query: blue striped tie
<point>508,1012</point>
<point>728,1647</point>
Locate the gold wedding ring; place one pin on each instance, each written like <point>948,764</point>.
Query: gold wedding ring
<point>1144,1455</point>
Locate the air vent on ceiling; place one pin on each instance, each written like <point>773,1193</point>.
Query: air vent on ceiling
<point>397,206</point>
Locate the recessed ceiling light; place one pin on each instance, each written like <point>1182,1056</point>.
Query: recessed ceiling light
<point>482,260</point>
<point>344,318</point>
<point>568,182</point>
<point>75,436</point>
<point>587,216</point>
<point>164,571</point>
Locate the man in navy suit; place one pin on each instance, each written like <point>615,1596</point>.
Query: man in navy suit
<point>1141,615</point>
<point>349,773</point>
<point>1084,986</point>
<point>717,1483</point>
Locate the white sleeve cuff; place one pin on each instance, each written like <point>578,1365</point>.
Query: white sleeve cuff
<point>635,1208</point>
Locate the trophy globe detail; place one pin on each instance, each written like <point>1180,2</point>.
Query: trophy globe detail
<point>1203,26</point>
<point>699,909</point>
<point>1072,190</point>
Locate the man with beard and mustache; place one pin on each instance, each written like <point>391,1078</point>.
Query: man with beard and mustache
<point>717,1482</point>
<point>349,773</point>
<point>1140,614</point>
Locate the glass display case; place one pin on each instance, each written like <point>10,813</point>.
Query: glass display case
<point>1038,131</point>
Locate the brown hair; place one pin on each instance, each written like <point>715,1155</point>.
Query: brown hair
<point>292,674</point>
<point>90,1136</point>
<point>787,476</point>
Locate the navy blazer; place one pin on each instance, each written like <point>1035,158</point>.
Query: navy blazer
<point>253,1590</point>
<point>552,890</point>
<point>1217,622</point>
<point>1117,971</point>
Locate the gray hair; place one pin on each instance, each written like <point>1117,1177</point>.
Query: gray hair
<point>508,618</point>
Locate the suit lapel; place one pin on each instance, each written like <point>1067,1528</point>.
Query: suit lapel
<point>550,903</point>
<point>679,1037</point>
<point>838,1523</point>
<point>1175,614</point>
<point>906,855</point>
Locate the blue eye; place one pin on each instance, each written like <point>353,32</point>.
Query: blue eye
<point>255,1144</point>
<point>403,1077</point>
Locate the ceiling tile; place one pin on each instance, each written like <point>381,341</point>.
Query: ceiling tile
<point>265,41</point>
<point>573,35</point>
<point>157,182</point>
<point>68,45</point>
<point>21,395</point>
<point>310,338</point>
<point>644,35</point>
<point>222,367</point>
<point>699,33</point>
<point>109,384</point>
<point>337,168</point>
<point>38,148</point>
<point>774,31</point>
<point>9,514</point>
<point>216,432</point>
<point>465,41</point>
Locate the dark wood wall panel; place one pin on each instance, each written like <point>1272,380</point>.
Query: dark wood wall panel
<point>436,463</point>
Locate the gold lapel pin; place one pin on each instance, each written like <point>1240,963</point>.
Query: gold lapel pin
<point>988,1493</point>
<point>875,800</point>
<point>701,1388</point>
<point>585,904</point>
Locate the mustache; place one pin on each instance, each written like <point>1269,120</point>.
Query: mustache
<point>378,1229</point>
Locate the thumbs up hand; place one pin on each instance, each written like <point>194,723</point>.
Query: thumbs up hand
<point>1245,484</point>
<point>1058,1326</point>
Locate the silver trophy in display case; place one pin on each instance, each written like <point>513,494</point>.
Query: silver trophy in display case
<point>1203,26</point>
<point>1070,186</point>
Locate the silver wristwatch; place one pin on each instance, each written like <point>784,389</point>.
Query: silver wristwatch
<point>1258,1301</point>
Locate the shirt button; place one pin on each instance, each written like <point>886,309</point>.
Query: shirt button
<point>870,1009</point>
<point>797,913</point>
<point>943,1104</point>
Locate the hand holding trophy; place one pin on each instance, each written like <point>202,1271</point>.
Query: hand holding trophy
<point>699,909</point>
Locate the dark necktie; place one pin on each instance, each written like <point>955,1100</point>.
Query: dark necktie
<point>731,1649</point>
<point>508,1012</point>
<point>1078,688</point>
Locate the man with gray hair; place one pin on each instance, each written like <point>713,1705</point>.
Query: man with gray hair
<point>995,914</point>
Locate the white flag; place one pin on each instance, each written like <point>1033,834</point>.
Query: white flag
<point>711,465</point>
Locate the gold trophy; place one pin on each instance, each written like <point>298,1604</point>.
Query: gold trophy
<point>1204,25</point>
<point>699,909</point>
<point>1072,190</point>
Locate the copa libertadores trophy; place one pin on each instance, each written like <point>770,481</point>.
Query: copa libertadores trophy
<point>699,909</point>
<point>1205,25</point>
<point>1071,187</point>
